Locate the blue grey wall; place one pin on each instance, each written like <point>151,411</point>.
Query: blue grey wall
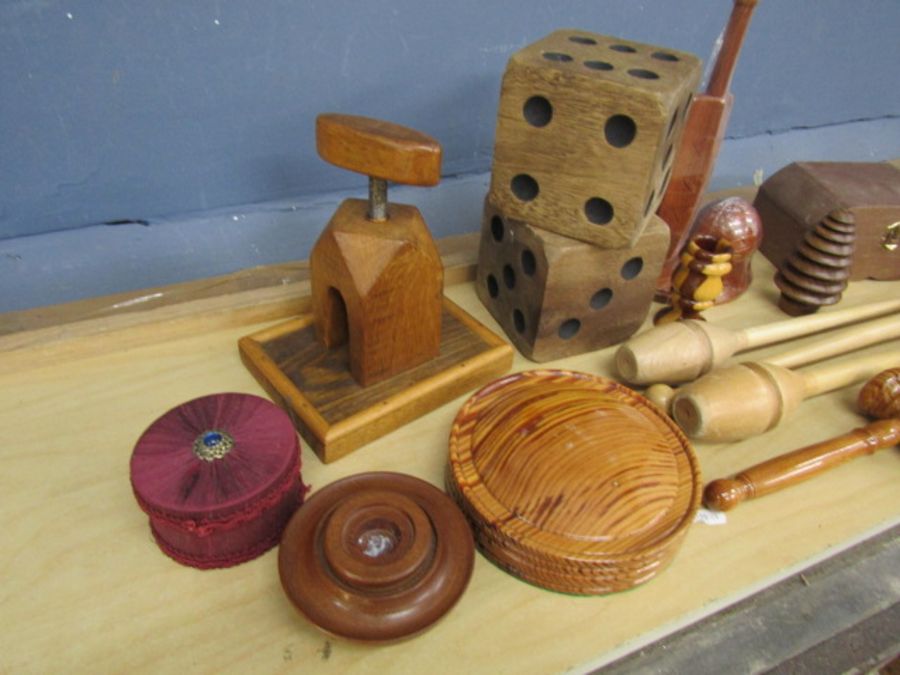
<point>182,115</point>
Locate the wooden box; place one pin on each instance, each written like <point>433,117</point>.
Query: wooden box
<point>586,131</point>
<point>799,196</point>
<point>556,296</point>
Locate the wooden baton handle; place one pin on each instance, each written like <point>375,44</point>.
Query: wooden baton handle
<point>730,404</point>
<point>835,344</point>
<point>840,342</point>
<point>684,350</point>
<point>793,467</point>
<point>735,30</point>
<point>378,149</point>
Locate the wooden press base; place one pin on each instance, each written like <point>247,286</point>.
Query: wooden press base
<point>333,413</point>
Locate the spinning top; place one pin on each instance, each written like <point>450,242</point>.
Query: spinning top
<point>376,557</point>
<point>879,397</point>
<point>219,477</point>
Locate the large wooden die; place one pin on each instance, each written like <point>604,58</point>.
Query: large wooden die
<point>556,296</point>
<point>586,132</point>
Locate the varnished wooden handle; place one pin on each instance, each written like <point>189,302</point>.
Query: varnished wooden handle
<point>720,79</point>
<point>378,149</point>
<point>786,470</point>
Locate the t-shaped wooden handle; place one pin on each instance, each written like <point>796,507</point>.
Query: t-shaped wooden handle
<point>378,149</point>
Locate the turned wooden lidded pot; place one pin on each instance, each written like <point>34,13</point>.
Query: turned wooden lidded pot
<point>376,557</point>
<point>219,477</point>
<point>572,482</point>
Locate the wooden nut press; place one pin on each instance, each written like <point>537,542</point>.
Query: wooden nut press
<point>382,345</point>
<point>377,278</point>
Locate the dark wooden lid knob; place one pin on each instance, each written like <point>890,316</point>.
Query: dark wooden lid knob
<point>376,557</point>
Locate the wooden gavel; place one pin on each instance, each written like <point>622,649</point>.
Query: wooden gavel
<point>879,398</point>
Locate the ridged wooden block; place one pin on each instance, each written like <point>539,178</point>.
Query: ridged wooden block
<point>586,131</point>
<point>572,482</point>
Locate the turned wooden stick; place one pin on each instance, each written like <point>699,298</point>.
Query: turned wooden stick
<point>880,397</point>
<point>834,344</point>
<point>684,350</point>
<point>737,402</point>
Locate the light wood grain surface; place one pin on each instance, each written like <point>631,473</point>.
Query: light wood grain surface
<point>85,588</point>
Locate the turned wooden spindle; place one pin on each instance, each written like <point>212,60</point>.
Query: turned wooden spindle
<point>730,404</point>
<point>684,350</point>
<point>879,398</point>
<point>833,344</point>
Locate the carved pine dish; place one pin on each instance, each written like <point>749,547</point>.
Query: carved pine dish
<point>572,482</point>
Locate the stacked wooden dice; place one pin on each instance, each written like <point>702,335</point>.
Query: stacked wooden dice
<point>570,244</point>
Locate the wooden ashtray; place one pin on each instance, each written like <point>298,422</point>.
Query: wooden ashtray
<point>572,482</point>
<point>376,557</point>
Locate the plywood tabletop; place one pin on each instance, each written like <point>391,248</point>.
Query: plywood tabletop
<point>86,589</point>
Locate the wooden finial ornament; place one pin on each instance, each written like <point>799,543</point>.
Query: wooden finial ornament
<point>817,273</point>
<point>737,402</point>
<point>682,351</point>
<point>698,280</point>
<point>879,398</point>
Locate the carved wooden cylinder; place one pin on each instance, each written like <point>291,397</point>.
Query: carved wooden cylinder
<point>571,481</point>
<point>817,272</point>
